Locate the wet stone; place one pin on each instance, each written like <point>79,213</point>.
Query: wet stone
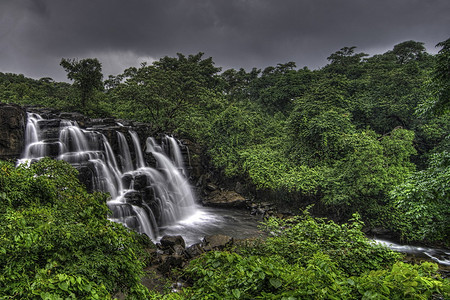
<point>132,222</point>
<point>169,241</point>
<point>170,262</point>
<point>217,242</point>
<point>194,251</point>
<point>140,181</point>
<point>126,180</point>
<point>133,198</point>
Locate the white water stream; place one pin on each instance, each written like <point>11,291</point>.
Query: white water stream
<point>142,197</point>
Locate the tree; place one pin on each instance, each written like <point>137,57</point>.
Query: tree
<point>408,51</point>
<point>370,167</point>
<point>162,92</point>
<point>439,101</point>
<point>442,77</point>
<point>317,121</point>
<point>423,202</point>
<point>86,74</point>
<point>346,62</point>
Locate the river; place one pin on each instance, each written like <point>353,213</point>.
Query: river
<point>240,224</point>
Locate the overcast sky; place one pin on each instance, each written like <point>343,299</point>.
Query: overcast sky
<point>36,34</point>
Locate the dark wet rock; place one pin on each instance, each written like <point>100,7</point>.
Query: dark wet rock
<point>134,198</point>
<point>380,231</point>
<point>194,250</point>
<point>132,222</point>
<point>120,209</point>
<point>169,262</point>
<point>12,131</point>
<point>86,175</point>
<point>178,250</point>
<point>150,159</point>
<point>49,123</point>
<point>73,116</point>
<point>148,194</point>
<point>140,181</point>
<point>126,180</point>
<point>169,241</point>
<point>239,188</point>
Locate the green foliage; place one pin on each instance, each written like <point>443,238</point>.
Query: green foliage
<point>163,93</point>
<point>408,51</point>
<point>346,62</point>
<point>438,103</point>
<point>56,241</point>
<point>369,169</point>
<point>87,76</point>
<point>268,168</point>
<point>318,120</point>
<point>43,92</point>
<point>402,281</point>
<point>297,239</point>
<point>234,130</point>
<point>423,201</point>
<point>309,258</point>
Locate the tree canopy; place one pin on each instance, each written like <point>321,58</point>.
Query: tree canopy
<point>86,74</point>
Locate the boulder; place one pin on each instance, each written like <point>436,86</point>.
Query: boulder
<point>169,262</point>
<point>194,251</point>
<point>170,241</point>
<point>225,198</point>
<point>211,187</point>
<point>217,242</point>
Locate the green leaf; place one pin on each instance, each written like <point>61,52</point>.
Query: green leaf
<point>275,282</point>
<point>64,286</point>
<point>236,293</point>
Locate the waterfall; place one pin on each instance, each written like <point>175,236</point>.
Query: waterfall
<point>143,197</point>
<point>175,152</point>
<point>137,148</point>
<point>125,156</point>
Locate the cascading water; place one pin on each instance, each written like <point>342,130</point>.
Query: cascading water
<point>143,198</point>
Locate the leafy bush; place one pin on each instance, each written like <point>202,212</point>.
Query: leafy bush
<point>309,258</point>
<point>224,275</point>
<point>402,281</point>
<point>297,240</point>
<point>56,240</point>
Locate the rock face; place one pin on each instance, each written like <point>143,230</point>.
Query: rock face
<point>12,131</point>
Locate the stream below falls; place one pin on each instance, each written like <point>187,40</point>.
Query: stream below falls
<point>241,224</point>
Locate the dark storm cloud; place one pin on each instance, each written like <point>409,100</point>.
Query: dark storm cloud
<point>35,34</point>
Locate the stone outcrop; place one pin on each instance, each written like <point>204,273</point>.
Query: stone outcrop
<point>217,242</point>
<point>224,198</point>
<point>173,254</point>
<point>12,131</point>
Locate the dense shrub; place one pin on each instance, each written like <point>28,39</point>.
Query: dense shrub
<point>308,258</point>
<point>56,241</point>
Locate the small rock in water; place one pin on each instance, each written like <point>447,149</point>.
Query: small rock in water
<point>217,242</point>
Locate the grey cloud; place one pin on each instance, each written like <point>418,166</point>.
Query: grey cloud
<point>236,33</point>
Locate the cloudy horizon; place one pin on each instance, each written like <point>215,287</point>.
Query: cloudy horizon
<point>36,34</point>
